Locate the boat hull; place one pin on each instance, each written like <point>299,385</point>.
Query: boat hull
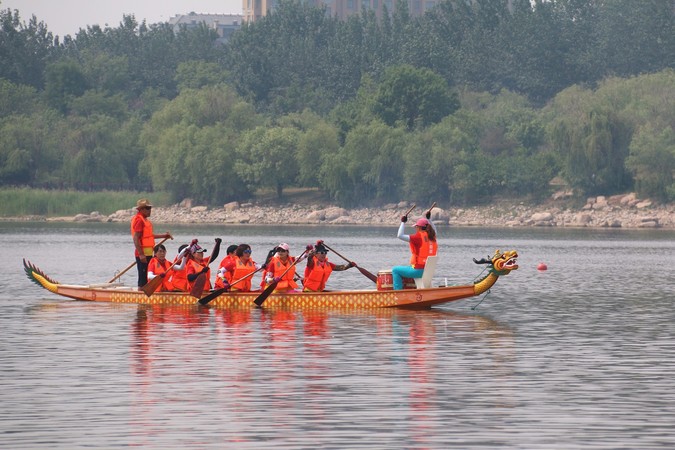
<point>350,300</point>
<point>366,299</point>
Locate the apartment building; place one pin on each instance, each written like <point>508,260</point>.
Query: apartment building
<point>223,24</point>
<point>255,9</point>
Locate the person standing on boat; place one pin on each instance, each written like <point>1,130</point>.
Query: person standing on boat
<point>239,267</point>
<point>144,239</point>
<point>223,275</point>
<point>319,269</point>
<point>198,265</point>
<point>278,265</point>
<point>422,245</point>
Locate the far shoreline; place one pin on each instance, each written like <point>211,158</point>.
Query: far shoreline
<point>617,212</point>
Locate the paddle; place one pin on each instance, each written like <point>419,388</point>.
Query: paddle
<point>268,290</point>
<point>218,292</point>
<point>372,277</point>
<point>433,205</point>
<point>152,285</point>
<point>134,263</point>
<point>410,210</point>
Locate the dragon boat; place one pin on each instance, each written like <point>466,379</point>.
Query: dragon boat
<point>500,264</point>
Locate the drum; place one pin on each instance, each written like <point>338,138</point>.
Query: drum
<point>385,281</point>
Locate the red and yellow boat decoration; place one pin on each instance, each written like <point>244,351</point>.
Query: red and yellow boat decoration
<point>500,264</point>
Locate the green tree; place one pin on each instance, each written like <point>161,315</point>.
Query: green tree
<point>432,158</point>
<point>25,49</point>
<point>106,72</point>
<point>197,74</point>
<point>268,157</point>
<point>18,99</point>
<point>94,102</point>
<point>652,162</point>
<point>92,161</point>
<point>64,81</point>
<point>191,145</point>
<point>30,149</point>
<point>637,37</point>
<point>369,166</point>
<point>594,154</point>
<point>415,97</point>
<point>317,139</point>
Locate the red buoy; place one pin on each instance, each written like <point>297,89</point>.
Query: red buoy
<point>542,266</point>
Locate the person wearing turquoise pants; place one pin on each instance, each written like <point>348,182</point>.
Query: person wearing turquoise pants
<point>422,245</point>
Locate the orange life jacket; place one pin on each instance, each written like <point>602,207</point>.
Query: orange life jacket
<point>179,279</point>
<point>277,268</point>
<point>420,254</point>
<point>193,266</point>
<point>227,261</point>
<point>148,236</point>
<point>228,274</point>
<point>158,268</point>
<point>241,270</point>
<point>317,276</point>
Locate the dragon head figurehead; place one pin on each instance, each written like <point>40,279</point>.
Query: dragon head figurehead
<point>504,263</point>
<point>501,263</point>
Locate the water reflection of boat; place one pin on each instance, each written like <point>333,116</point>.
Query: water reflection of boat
<point>498,265</point>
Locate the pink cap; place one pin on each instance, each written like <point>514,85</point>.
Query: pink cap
<point>285,247</point>
<point>422,222</point>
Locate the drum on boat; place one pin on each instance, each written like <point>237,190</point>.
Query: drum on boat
<point>385,281</point>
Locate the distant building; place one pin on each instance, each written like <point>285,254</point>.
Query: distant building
<point>255,9</point>
<point>223,24</point>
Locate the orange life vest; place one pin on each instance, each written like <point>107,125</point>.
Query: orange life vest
<point>241,270</point>
<point>420,253</point>
<point>194,267</point>
<point>148,236</point>
<point>227,261</point>
<point>278,267</point>
<point>179,279</point>
<point>158,268</point>
<point>317,276</point>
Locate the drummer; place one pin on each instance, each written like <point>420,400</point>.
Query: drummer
<point>422,245</point>
<point>319,269</point>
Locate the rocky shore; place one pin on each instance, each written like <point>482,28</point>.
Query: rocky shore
<point>621,211</point>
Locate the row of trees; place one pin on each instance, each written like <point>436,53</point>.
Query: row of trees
<point>368,111</point>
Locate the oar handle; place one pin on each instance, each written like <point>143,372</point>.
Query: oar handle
<point>324,244</point>
<point>245,276</point>
<point>133,264</point>
<point>433,205</point>
<point>297,260</point>
<point>218,292</point>
<point>369,275</point>
<point>122,272</point>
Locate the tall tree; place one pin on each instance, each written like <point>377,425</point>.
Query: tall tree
<point>25,49</point>
<point>415,97</point>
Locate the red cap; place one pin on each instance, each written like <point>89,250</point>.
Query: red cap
<point>422,222</point>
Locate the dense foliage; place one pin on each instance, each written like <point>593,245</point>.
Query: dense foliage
<point>471,100</point>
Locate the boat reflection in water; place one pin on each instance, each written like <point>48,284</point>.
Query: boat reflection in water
<point>290,367</point>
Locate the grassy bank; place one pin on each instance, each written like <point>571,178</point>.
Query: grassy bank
<point>16,202</point>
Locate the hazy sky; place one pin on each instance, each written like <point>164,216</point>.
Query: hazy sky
<point>68,16</point>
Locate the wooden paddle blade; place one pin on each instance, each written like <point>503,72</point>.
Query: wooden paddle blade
<point>266,293</point>
<point>152,286</point>
<point>212,295</point>
<point>372,277</point>
<point>198,286</point>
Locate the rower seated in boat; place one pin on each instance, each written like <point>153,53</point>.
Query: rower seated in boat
<point>319,269</point>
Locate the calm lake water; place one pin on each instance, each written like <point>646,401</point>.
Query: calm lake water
<point>579,356</point>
